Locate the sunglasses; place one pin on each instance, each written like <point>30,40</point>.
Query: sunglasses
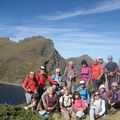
<point>97,94</point>
<point>102,88</point>
<point>114,86</point>
<point>82,84</point>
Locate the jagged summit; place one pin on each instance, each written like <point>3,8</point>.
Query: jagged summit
<point>17,59</point>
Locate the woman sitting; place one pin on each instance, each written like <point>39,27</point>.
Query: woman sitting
<point>98,107</point>
<point>79,105</point>
<point>103,91</point>
<point>66,104</point>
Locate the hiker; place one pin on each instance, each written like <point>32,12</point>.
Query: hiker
<point>50,101</point>
<point>65,103</point>
<point>43,80</point>
<point>98,107</point>
<point>102,66</point>
<point>101,62</point>
<point>71,75</point>
<point>84,92</point>
<point>102,91</point>
<point>30,86</point>
<point>58,77</point>
<point>111,69</point>
<point>78,105</point>
<point>55,91</point>
<point>113,96</point>
<point>97,73</point>
<point>85,73</point>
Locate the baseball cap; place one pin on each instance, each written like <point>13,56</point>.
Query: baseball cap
<point>42,67</point>
<point>82,82</point>
<point>110,57</point>
<point>97,93</point>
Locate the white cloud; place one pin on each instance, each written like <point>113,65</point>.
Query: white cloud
<point>69,42</point>
<point>106,6</point>
<point>59,35</point>
<point>103,46</point>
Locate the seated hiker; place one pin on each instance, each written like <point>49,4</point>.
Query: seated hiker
<point>85,73</point>
<point>113,96</point>
<point>97,107</point>
<point>65,102</point>
<point>30,86</point>
<point>43,79</point>
<point>70,76</point>
<point>84,92</point>
<point>58,77</point>
<point>55,91</point>
<point>102,91</point>
<point>78,105</point>
<point>50,101</point>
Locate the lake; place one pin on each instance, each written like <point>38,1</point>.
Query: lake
<point>11,94</point>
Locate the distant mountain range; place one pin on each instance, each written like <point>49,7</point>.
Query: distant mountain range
<point>17,59</point>
<point>78,60</point>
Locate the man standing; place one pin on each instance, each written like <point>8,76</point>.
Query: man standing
<point>111,69</point>
<point>30,86</point>
<point>97,73</point>
<point>43,79</point>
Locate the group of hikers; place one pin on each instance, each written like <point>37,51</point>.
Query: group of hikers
<point>94,90</point>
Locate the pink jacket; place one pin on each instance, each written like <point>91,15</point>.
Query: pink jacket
<point>78,104</point>
<point>85,73</point>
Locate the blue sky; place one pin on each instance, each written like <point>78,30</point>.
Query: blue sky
<point>76,27</point>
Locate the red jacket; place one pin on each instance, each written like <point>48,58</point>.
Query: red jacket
<point>43,79</point>
<point>30,84</point>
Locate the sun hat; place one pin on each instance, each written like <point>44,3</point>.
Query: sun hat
<point>102,86</point>
<point>114,84</point>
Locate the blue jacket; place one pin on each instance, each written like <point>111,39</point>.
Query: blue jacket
<point>84,93</point>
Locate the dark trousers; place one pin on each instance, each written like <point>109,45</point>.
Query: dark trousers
<point>97,83</point>
<point>117,105</point>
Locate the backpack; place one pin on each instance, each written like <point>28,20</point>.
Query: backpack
<point>28,81</point>
<point>101,100</point>
<point>114,96</point>
<point>60,78</point>
<point>63,99</point>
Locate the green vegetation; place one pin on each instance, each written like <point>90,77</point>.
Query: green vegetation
<point>16,113</point>
<point>8,112</point>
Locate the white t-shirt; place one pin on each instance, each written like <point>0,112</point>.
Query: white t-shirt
<point>66,100</point>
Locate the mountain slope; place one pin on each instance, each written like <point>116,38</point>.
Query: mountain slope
<point>17,59</point>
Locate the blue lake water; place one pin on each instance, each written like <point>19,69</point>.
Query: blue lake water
<point>11,94</point>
